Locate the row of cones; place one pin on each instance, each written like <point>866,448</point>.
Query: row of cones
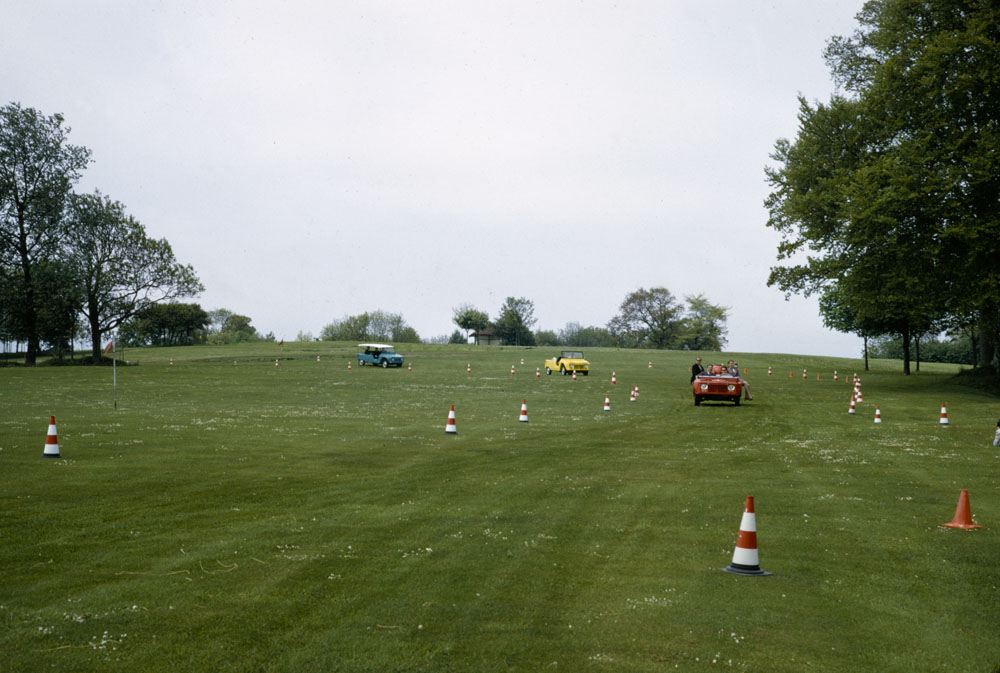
<point>878,411</point>
<point>451,427</point>
<point>746,560</point>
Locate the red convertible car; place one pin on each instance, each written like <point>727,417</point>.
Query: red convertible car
<point>715,383</point>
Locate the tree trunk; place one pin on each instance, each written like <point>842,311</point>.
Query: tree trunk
<point>95,333</point>
<point>905,335</point>
<point>917,342</point>
<point>988,337</point>
<point>866,351</point>
<point>30,307</point>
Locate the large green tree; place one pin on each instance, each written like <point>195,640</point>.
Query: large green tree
<point>890,193</point>
<point>168,324</point>
<point>37,170</point>
<point>470,319</point>
<point>516,317</point>
<point>647,319</point>
<point>703,327</point>
<point>119,268</point>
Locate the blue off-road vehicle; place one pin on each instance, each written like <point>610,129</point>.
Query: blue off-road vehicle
<point>382,355</point>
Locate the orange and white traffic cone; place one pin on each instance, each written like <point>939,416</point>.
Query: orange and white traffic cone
<point>523,418</point>
<point>803,375</point>
<point>538,372</point>
<point>878,415</point>
<point>745,560</point>
<point>52,441</point>
<point>769,371</point>
<point>522,362</point>
<point>468,368</point>
<point>631,396</point>
<point>944,414</point>
<point>317,358</point>
<point>835,376</point>
<point>574,375</point>
<point>451,428</point>
<point>409,366</point>
<point>745,371</point>
<point>276,364</point>
<point>963,515</point>
<point>635,391</point>
<point>614,381</point>
<point>791,375</point>
<point>817,377</point>
<point>851,410</point>
<point>650,364</point>
<point>512,370</point>
<point>171,362</point>
<point>607,403</point>
<point>348,366</point>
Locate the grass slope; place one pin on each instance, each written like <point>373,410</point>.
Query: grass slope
<point>247,517</point>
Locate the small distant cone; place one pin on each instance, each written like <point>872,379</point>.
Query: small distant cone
<point>851,410</point>
<point>614,381</point>
<point>574,375</point>
<point>512,370</point>
<point>835,375</point>
<point>276,364</point>
<point>768,371</point>
<point>409,367</point>
<point>523,418</point>
<point>878,415</point>
<point>451,428</point>
<point>944,414</point>
<point>650,364</point>
<point>348,366</point>
<point>468,368</point>
<point>607,403</point>
<point>51,441</point>
<point>234,363</point>
<point>538,372</point>
<point>963,516</point>
<point>631,396</point>
<point>522,361</point>
<point>317,358</point>
<point>860,395</point>
<point>171,362</point>
<point>744,371</point>
<point>745,560</point>
<point>803,375</point>
<point>817,377</point>
<point>791,375</point>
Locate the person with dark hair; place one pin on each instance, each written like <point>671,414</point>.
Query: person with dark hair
<point>696,368</point>
<point>996,439</point>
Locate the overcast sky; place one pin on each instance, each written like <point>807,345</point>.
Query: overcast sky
<point>317,159</point>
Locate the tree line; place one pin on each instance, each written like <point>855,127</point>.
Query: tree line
<point>647,318</point>
<point>70,264</point>
<point>888,199</point>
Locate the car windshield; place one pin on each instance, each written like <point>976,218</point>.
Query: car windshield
<point>572,354</point>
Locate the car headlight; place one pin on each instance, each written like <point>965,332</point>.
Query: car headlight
<point>731,387</point>
<point>704,386</point>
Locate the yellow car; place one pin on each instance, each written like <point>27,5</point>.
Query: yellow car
<point>566,363</point>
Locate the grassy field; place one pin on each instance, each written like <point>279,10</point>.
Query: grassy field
<point>231,515</point>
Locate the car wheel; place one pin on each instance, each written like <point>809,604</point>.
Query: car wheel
<point>697,401</point>
<point>361,363</point>
<point>548,371</point>
<point>736,400</point>
<point>585,373</point>
<point>385,364</point>
<point>562,370</point>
